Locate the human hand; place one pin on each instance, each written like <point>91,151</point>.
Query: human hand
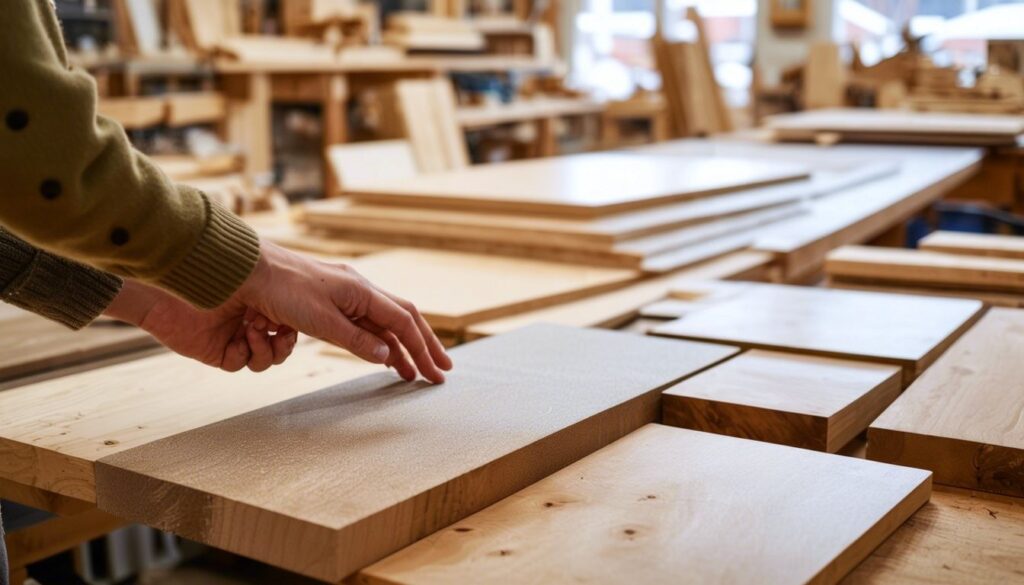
<point>334,303</point>
<point>229,337</point>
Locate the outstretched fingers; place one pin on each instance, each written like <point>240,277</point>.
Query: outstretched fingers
<point>389,315</point>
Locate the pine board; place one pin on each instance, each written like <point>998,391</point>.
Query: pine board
<point>580,186</point>
<point>900,125</point>
<point>666,505</point>
<point>455,290</point>
<point>957,537</point>
<point>31,345</point>
<point>330,482</point>
<point>998,246</point>
<point>995,299</point>
<point>895,265</point>
<point>875,327</point>
<point>964,418</point>
<point>53,432</point>
<point>801,401</point>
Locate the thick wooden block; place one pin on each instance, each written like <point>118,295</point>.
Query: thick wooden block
<point>331,482</point>
<point>963,418</point>
<point>588,185</point>
<point>801,401</point>
<point>666,505</point>
<point>974,244</point>
<point>875,327</point>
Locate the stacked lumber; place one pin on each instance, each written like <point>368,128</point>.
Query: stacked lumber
<point>641,212</point>
<point>974,269</point>
<point>425,32</point>
<point>174,110</point>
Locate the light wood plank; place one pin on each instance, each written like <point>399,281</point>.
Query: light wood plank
<point>999,246</point>
<point>52,433</point>
<point>900,126</point>
<point>995,299</point>
<point>587,185</point>
<point>331,482</point>
<point>963,418</point>
<point>455,290</point>
<point>800,401</point>
<point>875,327</point>
<point>667,505</point>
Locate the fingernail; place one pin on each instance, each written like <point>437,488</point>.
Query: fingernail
<point>382,352</point>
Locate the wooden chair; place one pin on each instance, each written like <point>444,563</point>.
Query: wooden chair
<point>364,162</point>
<point>427,108</point>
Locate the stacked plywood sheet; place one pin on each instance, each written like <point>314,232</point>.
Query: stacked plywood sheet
<point>650,212</point>
<point>997,280</point>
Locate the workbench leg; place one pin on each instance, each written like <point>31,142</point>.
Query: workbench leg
<point>18,575</point>
<point>54,536</point>
<point>250,119</point>
<point>610,132</point>
<point>660,127</point>
<point>335,131</point>
<point>547,142</point>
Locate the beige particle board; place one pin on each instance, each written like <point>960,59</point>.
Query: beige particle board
<point>998,246</point>
<point>53,432</point>
<point>667,505</point>
<point>926,268</point>
<point>328,483</point>
<point>963,417</point>
<point>580,186</point>
<point>801,401</point>
<point>957,537</point>
<point>876,327</point>
<point>455,290</point>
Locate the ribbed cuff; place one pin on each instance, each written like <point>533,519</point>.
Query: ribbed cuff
<point>221,260</point>
<point>61,290</point>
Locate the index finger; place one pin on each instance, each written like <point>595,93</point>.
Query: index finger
<point>389,315</point>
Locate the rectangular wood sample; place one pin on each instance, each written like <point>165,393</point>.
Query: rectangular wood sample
<point>801,401</point>
<point>667,505</point>
<point>454,290</point>
<point>330,482</point>
<point>581,186</point>
<point>876,327</point>
<point>995,245</point>
<point>53,432</point>
<point>964,418</point>
<point>932,269</point>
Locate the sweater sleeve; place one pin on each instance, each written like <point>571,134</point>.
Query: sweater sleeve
<point>61,290</point>
<point>73,184</point>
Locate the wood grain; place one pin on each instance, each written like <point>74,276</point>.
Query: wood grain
<point>31,345</point>
<point>666,505</point>
<point>328,483</point>
<point>963,418</point>
<point>586,185</point>
<point>455,290</point>
<point>800,401</point>
<point>998,246</point>
<point>52,433</point>
<point>875,327</point>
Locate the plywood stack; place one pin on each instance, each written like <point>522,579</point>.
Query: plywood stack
<point>988,268</point>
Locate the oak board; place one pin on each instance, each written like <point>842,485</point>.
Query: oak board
<point>875,327</point>
<point>801,401</point>
<point>995,245</point>
<point>330,482</point>
<point>964,418</point>
<point>667,505</point>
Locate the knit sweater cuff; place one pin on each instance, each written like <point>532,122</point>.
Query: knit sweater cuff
<point>221,260</point>
<point>56,288</point>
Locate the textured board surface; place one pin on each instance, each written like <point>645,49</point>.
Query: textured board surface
<point>30,344</point>
<point>900,329</point>
<point>666,505</point>
<point>454,290</point>
<point>52,433</point>
<point>330,482</point>
<point>801,401</point>
<point>974,244</point>
<point>964,418</point>
<point>587,185</point>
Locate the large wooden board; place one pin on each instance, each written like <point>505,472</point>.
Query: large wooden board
<point>957,537</point>
<point>31,345</point>
<point>896,265</point>
<point>331,482</point>
<point>899,126</point>
<point>801,401</point>
<point>998,246</point>
<point>963,418</point>
<point>587,185</point>
<point>52,433</point>
<point>666,505</point>
<point>454,290</point>
<point>876,327</point>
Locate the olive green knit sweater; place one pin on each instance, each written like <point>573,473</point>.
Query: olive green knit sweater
<point>71,184</point>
